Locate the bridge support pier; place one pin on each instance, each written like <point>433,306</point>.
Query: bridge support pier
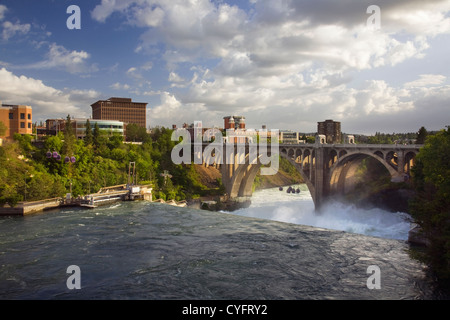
<point>319,178</point>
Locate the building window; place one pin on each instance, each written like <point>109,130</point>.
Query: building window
<point>29,116</point>
<point>22,125</point>
<point>29,125</point>
<point>11,116</point>
<point>22,116</point>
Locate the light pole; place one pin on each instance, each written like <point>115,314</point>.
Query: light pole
<point>166,175</point>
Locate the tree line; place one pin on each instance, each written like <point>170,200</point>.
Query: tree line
<point>395,138</point>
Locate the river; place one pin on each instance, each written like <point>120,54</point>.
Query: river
<point>298,208</point>
<point>141,250</point>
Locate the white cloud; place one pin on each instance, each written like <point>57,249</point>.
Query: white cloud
<point>173,77</point>
<point>426,80</point>
<point>287,62</point>
<point>58,57</point>
<point>147,16</point>
<point>11,29</point>
<point>177,81</point>
<point>3,9</point>
<point>119,86</point>
<point>172,111</point>
<point>47,102</point>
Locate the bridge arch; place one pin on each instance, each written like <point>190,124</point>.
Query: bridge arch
<point>291,153</point>
<point>409,162</point>
<point>298,155</point>
<point>379,153</point>
<point>341,172</point>
<point>332,158</point>
<point>392,159</point>
<point>240,176</point>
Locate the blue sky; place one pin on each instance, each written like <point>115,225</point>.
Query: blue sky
<point>287,64</point>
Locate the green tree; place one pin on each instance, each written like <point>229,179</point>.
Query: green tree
<point>25,145</point>
<point>431,206</point>
<point>100,142</point>
<point>96,135</point>
<point>136,133</point>
<point>69,138</point>
<point>421,135</point>
<point>3,129</point>
<point>89,137</point>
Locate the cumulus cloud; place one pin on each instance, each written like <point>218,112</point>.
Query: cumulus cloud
<point>46,101</point>
<point>172,111</point>
<point>288,57</point>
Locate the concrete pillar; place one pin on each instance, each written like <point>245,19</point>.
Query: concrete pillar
<point>400,162</point>
<point>319,178</point>
<point>310,159</point>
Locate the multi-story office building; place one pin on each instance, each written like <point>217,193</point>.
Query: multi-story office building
<point>121,109</point>
<point>331,129</point>
<point>290,137</point>
<point>108,127</point>
<point>17,119</point>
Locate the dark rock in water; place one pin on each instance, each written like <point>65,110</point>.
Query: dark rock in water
<point>281,189</point>
<point>229,205</point>
<point>298,190</point>
<point>289,190</point>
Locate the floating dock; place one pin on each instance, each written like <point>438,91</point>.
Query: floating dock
<point>116,193</point>
<point>104,196</point>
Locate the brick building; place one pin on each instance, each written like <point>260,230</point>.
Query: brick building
<point>234,122</point>
<point>17,119</point>
<point>121,109</point>
<point>331,129</point>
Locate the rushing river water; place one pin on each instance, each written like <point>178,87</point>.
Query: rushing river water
<point>141,250</point>
<point>299,209</point>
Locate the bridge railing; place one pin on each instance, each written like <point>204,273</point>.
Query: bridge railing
<point>376,146</point>
<point>355,146</point>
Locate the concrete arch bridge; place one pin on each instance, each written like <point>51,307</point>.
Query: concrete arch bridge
<point>327,169</point>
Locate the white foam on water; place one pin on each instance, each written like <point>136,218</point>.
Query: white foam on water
<point>280,206</point>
